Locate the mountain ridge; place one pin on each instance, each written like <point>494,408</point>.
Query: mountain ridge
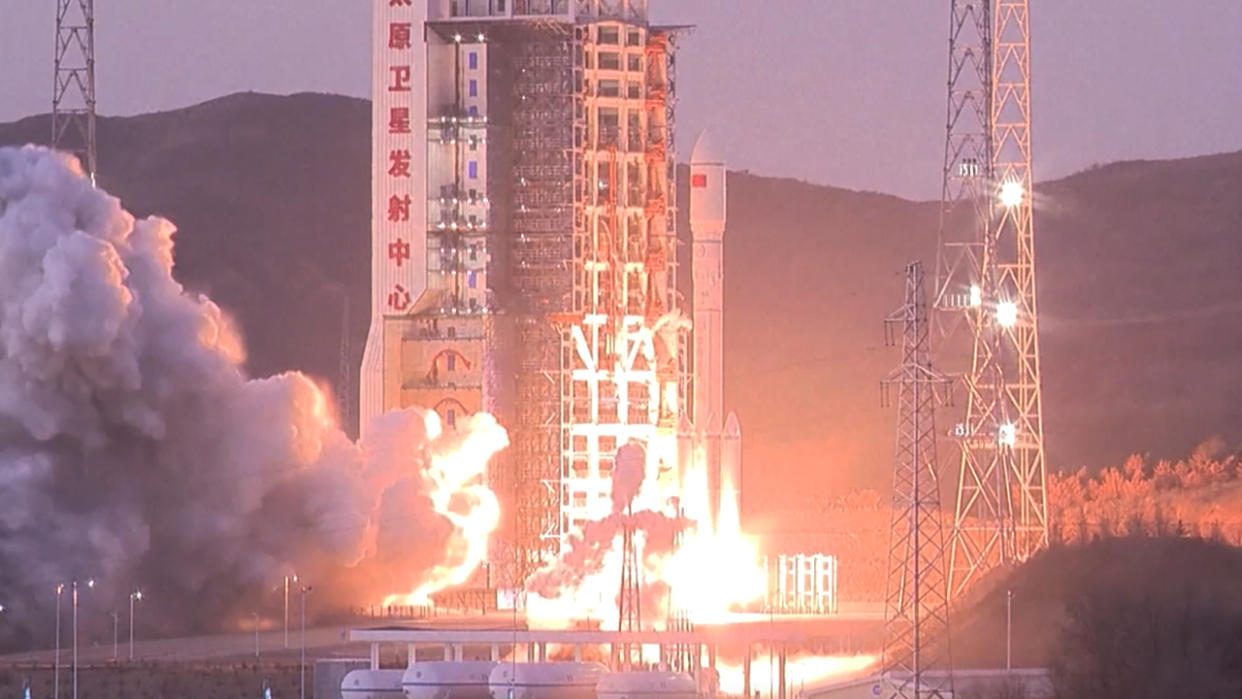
<point>1137,265</point>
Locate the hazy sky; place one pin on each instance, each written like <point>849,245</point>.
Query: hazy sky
<point>845,92</point>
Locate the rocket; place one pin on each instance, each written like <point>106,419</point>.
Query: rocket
<point>707,227</point>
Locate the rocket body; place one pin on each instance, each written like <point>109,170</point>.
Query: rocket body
<point>708,216</point>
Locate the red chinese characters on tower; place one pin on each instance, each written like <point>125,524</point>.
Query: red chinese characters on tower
<point>399,120</point>
<point>399,163</point>
<point>401,76</point>
<point>399,251</point>
<point>399,298</point>
<point>399,208</point>
<point>400,35</point>
<point>399,3</point>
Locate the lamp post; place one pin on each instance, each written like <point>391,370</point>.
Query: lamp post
<point>256,634</point>
<point>302,663</point>
<point>1008,630</point>
<point>89,583</point>
<point>115,625</point>
<point>288,579</point>
<point>56,677</point>
<point>134,596</point>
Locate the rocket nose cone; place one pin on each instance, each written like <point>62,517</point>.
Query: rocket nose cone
<point>733,428</point>
<point>704,151</point>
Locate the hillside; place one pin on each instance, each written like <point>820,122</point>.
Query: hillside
<point>1137,273</point>
<point>1046,588</point>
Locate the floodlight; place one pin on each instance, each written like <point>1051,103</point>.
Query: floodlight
<point>1011,194</point>
<point>1007,314</point>
<point>1007,435</point>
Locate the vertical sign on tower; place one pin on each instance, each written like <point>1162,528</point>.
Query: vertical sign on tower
<point>399,156</point>
<point>398,168</point>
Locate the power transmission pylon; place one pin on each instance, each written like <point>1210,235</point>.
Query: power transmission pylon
<point>629,655</point>
<point>916,613</point>
<point>73,89</point>
<point>986,277</point>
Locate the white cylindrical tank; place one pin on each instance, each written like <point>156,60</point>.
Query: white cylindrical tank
<point>554,680</point>
<point>654,684</point>
<point>462,679</point>
<point>372,684</point>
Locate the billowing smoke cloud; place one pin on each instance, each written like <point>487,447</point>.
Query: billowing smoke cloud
<point>134,450</point>
<point>587,574</point>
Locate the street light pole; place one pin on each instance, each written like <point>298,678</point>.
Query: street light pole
<point>256,635</point>
<point>1008,630</point>
<point>89,583</point>
<point>75,639</point>
<point>288,578</point>
<point>56,681</point>
<point>302,664</point>
<point>115,625</point>
<point>133,597</point>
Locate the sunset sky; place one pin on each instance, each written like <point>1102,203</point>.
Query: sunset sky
<point>843,92</point>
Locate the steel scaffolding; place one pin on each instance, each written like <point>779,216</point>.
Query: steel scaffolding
<point>546,107</point>
<point>621,373</point>
<point>583,256</point>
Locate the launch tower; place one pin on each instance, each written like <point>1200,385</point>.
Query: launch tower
<point>523,245</point>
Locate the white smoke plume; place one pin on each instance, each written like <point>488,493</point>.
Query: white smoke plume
<point>134,450</point>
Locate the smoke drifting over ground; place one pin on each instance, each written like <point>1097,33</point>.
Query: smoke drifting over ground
<point>134,450</point>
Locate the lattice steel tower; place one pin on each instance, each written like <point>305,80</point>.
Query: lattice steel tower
<point>916,605</point>
<point>629,603</point>
<point>986,288</point>
<point>73,89</point>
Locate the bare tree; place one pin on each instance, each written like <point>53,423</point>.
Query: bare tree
<point>1148,643</point>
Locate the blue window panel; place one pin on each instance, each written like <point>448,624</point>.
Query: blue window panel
<point>451,418</point>
<point>471,279</point>
<point>451,360</point>
<point>472,169</point>
<point>473,111</point>
<point>474,88</point>
<point>473,60</point>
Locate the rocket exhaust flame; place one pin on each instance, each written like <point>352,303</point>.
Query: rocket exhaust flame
<point>457,492</point>
<point>708,574</point>
<point>135,449</point>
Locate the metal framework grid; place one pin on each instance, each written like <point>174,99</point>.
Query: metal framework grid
<point>916,617</point>
<point>73,88</point>
<point>593,265</point>
<point>1001,509</point>
<point>545,104</point>
<point>621,376</point>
